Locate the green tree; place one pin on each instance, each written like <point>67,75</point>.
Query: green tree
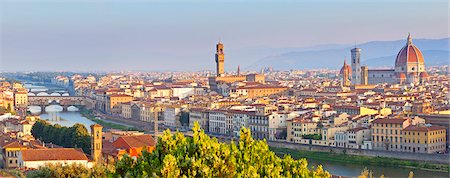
<point>76,136</point>
<point>202,156</point>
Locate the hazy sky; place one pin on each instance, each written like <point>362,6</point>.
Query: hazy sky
<point>180,35</point>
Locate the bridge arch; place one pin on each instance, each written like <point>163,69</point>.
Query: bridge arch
<point>72,108</point>
<point>42,94</point>
<point>54,108</point>
<point>55,94</point>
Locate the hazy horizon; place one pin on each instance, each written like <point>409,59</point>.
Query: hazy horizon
<point>181,36</point>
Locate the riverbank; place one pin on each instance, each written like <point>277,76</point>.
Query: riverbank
<point>362,160</point>
<point>89,115</point>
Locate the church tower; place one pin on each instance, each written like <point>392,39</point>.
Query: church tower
<point>220,59</point>
<point>96,142</point>
<point>356,65</point>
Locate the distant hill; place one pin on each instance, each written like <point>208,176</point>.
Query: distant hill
<point>374,54</point>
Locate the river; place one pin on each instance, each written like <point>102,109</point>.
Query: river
<point>353,170</point>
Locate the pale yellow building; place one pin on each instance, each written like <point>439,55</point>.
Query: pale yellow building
<point>387,133</point>
<point>20,98</point>
<point>424,139</point>
<point>259,91</point>
<point>297,127</point>
<point>113,100</point>
<point>11,153</point>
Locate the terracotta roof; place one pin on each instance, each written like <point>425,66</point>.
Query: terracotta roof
<point>134,141</point>
<point>390,121</point>
<point>119,95</point>
<point>53,154</point>
<point>423,128</point>
<point>15,144</point>
<point>356,129</point>
<point>409,54</point>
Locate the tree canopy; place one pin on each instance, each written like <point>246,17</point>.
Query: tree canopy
<point>202,156</point>
<point>76,136</point>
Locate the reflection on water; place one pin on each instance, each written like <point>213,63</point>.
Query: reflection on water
<point>67,119</point>
<point>353,170</point>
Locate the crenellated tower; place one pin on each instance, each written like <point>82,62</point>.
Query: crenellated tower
<point>220,59</point>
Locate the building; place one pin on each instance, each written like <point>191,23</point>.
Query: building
<point>239,120</point>
<point>355,110</point>
<point>298,127</point>
<point>96,142</point>
<point>220,79</point>
<point>217,122</point>
<point>409,68</point>
<point>259,125</point>
<point>200,116</point>
<point>172,116</point>
<point>148,112</point>
<point>126,110</point>
<point>358,136</point>
<point>356,66</point>
<point>10,153</point>
<point>346,74</point>
<point>387,133</point>
<point>20,98</point>
<point>113,100</point>
<point>364,75</point>
<point>132,145</point>
<point>35,158</point>
<point>257,91</point>
<point>424,138</point>
<point>220,59</point>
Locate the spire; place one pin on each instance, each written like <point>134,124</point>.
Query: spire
<point>409,41</point>
<point>238,71</point>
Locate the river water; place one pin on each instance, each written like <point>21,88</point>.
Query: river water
<point>353,170</point>
<point>55,115</point>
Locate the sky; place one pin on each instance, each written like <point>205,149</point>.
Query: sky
<point>131,35</point>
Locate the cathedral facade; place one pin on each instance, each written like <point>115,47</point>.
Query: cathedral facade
<point>409,68</point>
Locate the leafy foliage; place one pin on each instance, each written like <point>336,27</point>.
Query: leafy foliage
<point>201,156</point>
<point>69,170</point>
<point>76,136</point>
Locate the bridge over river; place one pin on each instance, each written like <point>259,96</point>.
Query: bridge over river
<point>63,101</point>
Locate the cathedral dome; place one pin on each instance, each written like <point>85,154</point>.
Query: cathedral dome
<point>409,54</point>
<point>346,69</point>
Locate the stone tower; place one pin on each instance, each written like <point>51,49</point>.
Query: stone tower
<point>356,66</point>
<point>364,75</point>
<point>96,142</point>
<point>220,59</point>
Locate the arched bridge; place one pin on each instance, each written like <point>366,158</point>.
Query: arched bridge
<point>64,101</point>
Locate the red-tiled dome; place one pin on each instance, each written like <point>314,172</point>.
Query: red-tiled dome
<point>347,68</point>
<point>409,54</point>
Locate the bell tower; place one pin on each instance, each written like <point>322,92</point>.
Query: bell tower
<point>220,59</point>
<point>96,142</point>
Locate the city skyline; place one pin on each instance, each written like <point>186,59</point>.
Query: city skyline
<point>155,36</point>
